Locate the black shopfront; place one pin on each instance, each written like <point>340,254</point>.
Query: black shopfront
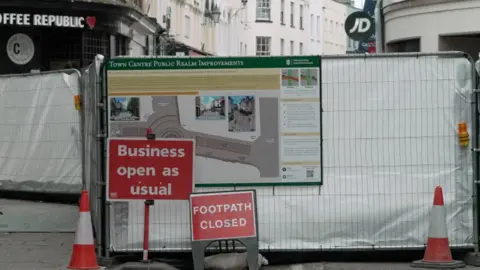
<point>43,35</point>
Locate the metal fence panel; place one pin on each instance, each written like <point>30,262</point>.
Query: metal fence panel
<point>389,136</point>
<point>40,146</point>
<point>92,115</point>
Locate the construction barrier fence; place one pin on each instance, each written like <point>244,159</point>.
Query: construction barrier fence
<point>388,134</point>
<point>40,148</point>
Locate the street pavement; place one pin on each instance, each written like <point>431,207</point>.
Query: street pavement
<point>208,115</point>
<point>35,251</point>
<point>242,122</point>
<point>348,266</point>
<point>51,251</point>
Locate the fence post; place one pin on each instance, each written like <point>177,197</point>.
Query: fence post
<point>101,133</point>
<point>473,258</point>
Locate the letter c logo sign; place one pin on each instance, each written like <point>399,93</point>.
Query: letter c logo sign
<point>16,48</point>
<point>20,49</point>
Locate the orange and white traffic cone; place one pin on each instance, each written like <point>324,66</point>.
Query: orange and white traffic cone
<point>438,254</point>
<point>83,254</point>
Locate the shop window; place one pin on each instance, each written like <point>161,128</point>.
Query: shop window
<point>71,48</point>
<point>411,45</point>
<point>121,45</point>
<point>63,48</point>
<point>94,43</point>
<point>163,46</point>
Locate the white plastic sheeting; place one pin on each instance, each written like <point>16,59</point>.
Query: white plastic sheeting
<point>389,130</point>
<point>40,134</point>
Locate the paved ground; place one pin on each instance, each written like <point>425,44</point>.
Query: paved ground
<point>35,251</point>
<point>51,251</point>
<point>211,116</point>
<point>349,266</point>
<point>242,122</point>
<point>25,216</point>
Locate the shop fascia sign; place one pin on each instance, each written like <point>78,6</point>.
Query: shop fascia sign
<point>27,19</point>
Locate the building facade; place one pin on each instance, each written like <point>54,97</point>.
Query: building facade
<point>276,27</point>
<point>316,27</point>
<point>191,29</point>
<point>44,35</point>
<point>334,37</point>
<point>252,27</point>
<point>230,31</point>
<point>438,25</point>
<point>184,24</point>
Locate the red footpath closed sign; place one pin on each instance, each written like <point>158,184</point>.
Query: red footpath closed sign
<point>223,215</point>
<point>141,169</point>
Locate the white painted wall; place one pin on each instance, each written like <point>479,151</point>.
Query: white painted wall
<point>186,18</point>
<point>334,37</point>
<point>429,21</point>
<point>229,32</point>
<point>273,29</point>
<point>315,27</point>
<point>189,26</point>
<point>238,29</point>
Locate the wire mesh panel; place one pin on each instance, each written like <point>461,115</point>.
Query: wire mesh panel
<point>40,132</point>
<point>40,148</point>
<point>389,137</point>
<point>92,149</point>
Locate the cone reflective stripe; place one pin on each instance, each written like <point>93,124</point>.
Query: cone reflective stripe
<point>438,254</point>
<point>84,235</point>
<point>83,254</point>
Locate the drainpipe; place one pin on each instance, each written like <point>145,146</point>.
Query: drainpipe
<point>378,27</point>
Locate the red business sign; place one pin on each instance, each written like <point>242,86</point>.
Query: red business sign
<point>141,169</point>
<point>223,215</point>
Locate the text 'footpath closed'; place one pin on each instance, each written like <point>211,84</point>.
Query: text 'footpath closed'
<point>223,215</point>
<point>222,209</point>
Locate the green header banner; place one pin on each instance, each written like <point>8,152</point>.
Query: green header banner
<point>213,62</point>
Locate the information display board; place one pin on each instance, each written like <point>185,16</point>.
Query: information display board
<point>255,120</point>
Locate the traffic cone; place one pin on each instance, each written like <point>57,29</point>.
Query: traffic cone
<point>438,254</point>
<point>83,254</point>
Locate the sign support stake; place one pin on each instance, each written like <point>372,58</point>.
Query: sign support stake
<point>146,222</point>
<point>251,246</point>
<point>146,229</point>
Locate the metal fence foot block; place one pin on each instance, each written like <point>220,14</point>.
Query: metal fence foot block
<point>435,265</point>
<point>101,268</point>
<point>472,258</point>
<point>107,262</point>
<point>146,266</point>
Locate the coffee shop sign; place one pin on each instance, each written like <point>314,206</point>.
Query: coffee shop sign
<point>26,19</point>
